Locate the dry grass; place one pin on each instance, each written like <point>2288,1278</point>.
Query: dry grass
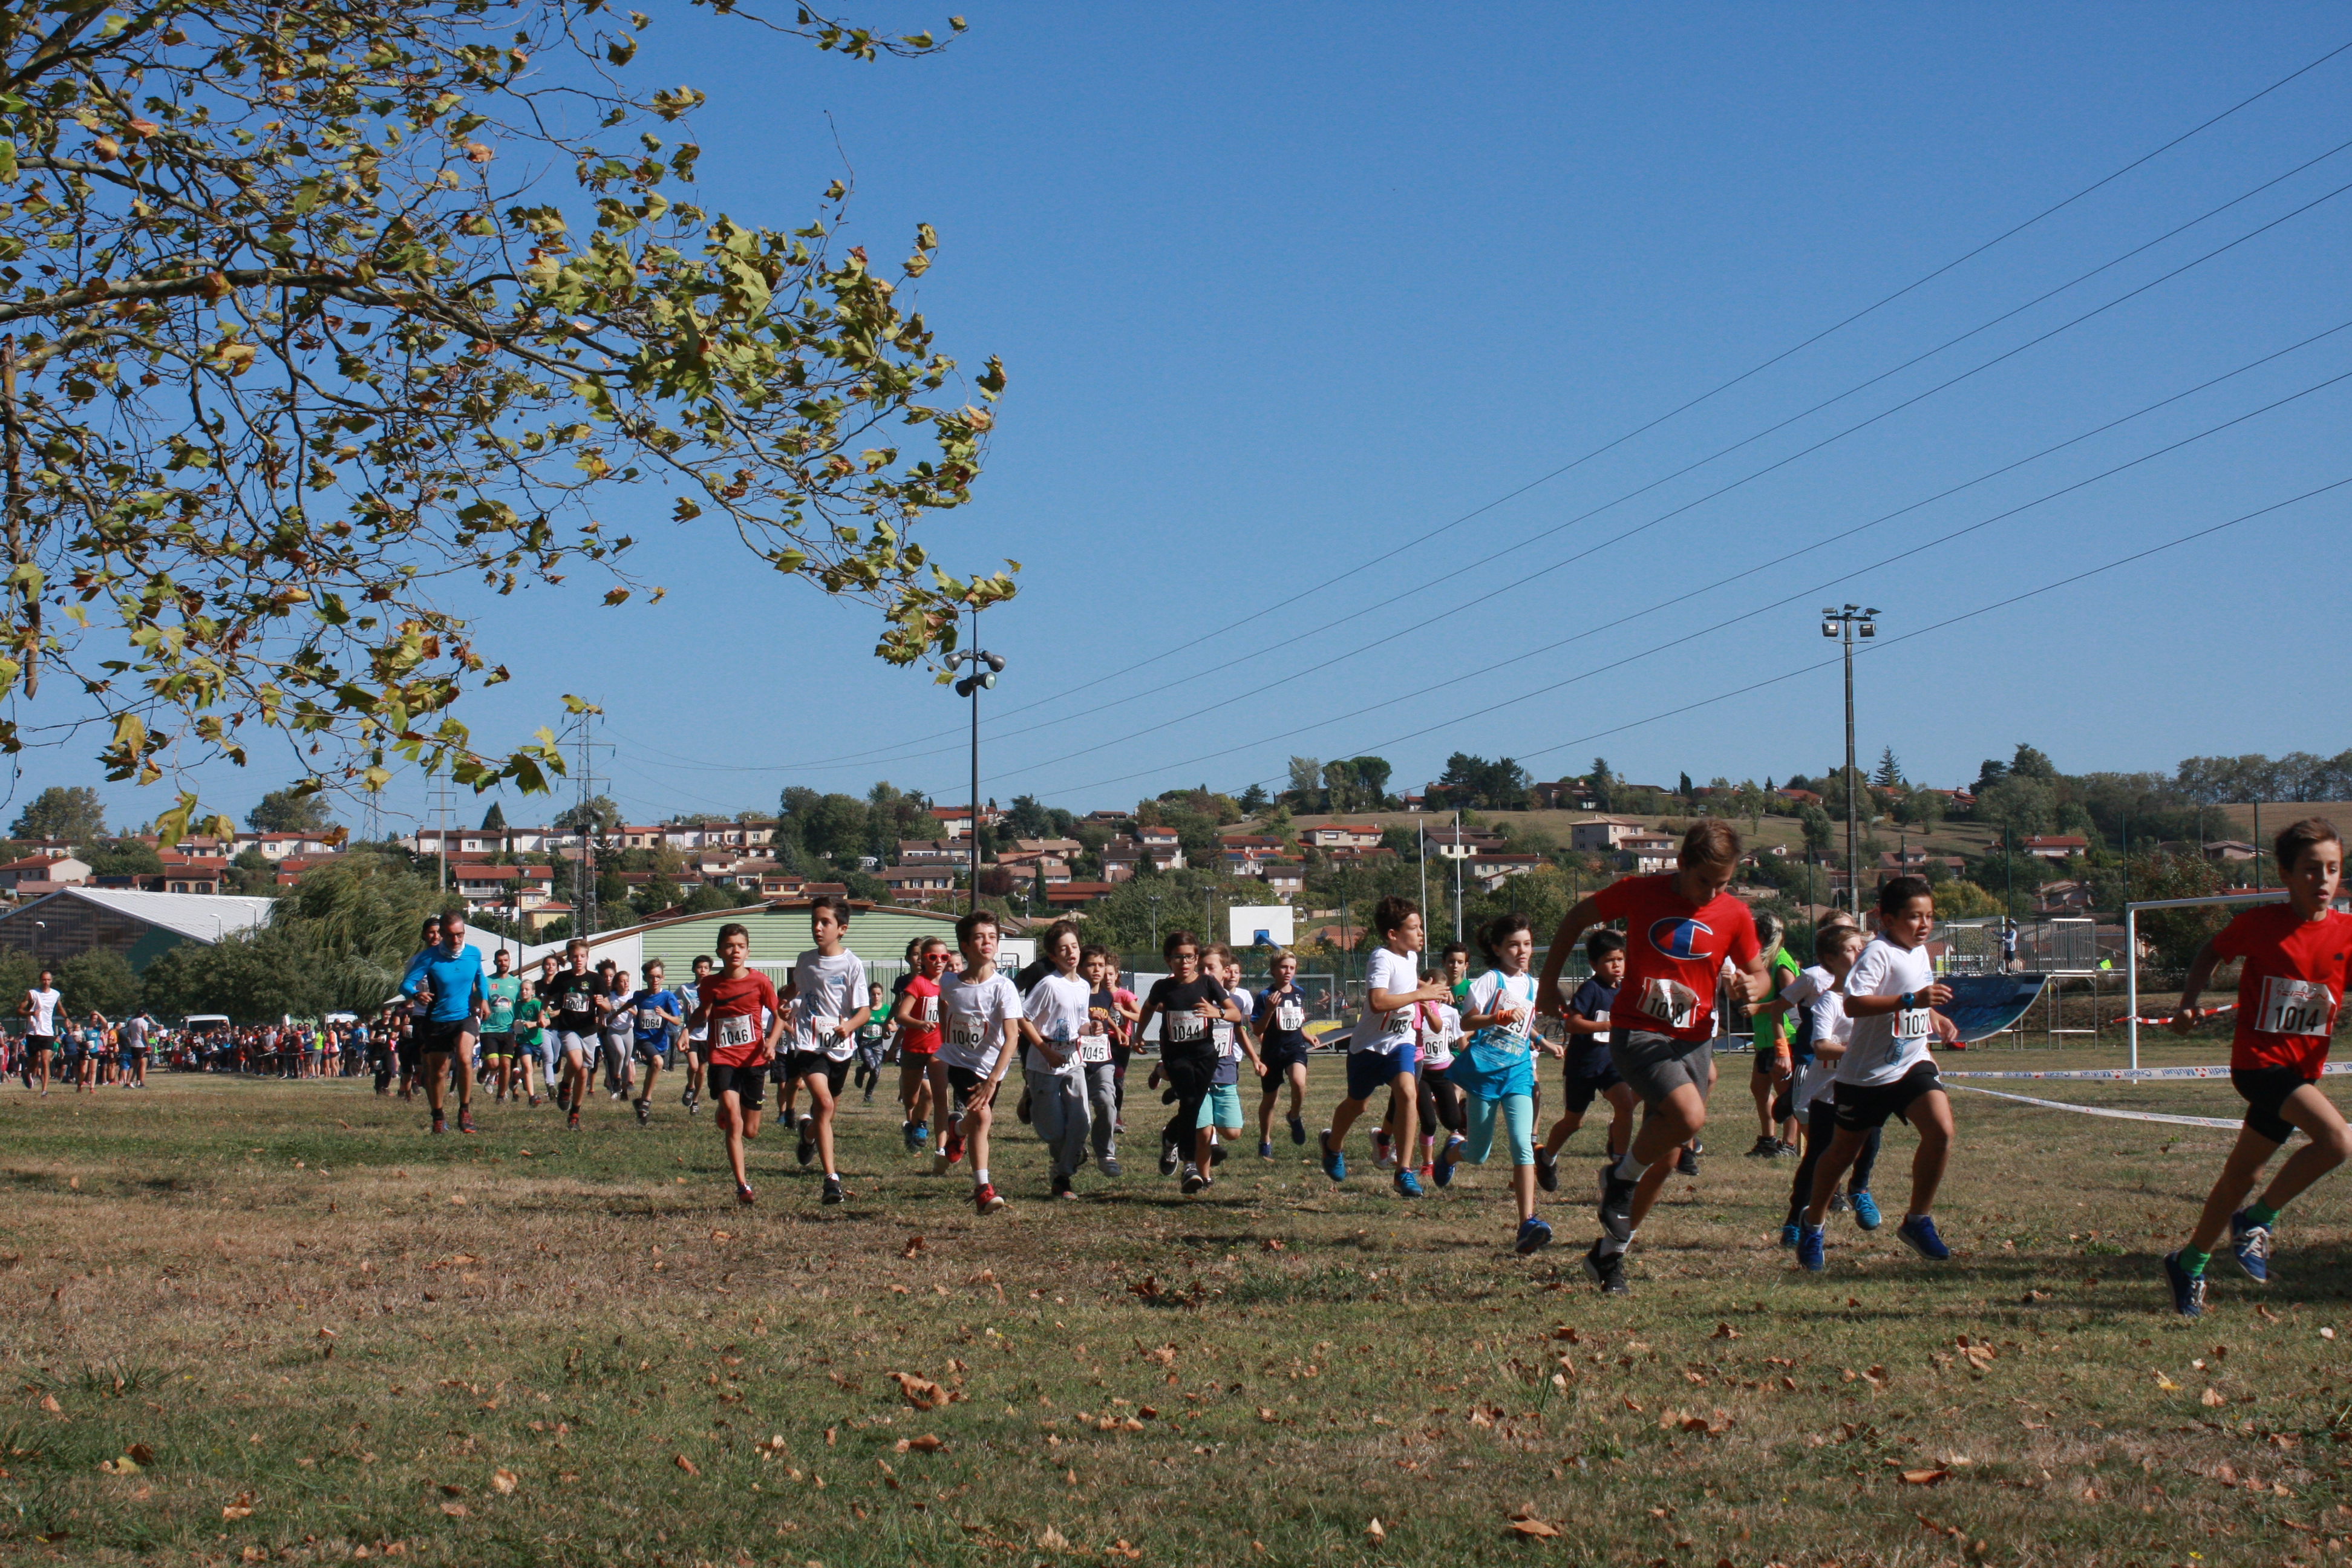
<point>288,1301</point>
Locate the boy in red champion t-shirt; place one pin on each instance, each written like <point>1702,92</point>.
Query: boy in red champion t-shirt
<point>1680,927</point>
<point>739,1006</point>
<point>2289,989</point>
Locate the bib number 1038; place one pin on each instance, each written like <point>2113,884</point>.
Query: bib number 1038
<point>1670,1003</point>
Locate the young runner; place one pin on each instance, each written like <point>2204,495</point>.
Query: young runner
<point>1887,1069</point>
<point>828,992</point>
<point>449,981</point>
<point>1380,1052</point>
<point>412,1016</point>
<point>656,1012</point>
<point>530,1037</point>
<point>38,1008</point>
<point>1054,1020</point>
<point>1816,1047</point>
<point>980,1022</point>
<point>739,1008</point>
<point>504,989</point>
<point>575,996</point>
<point>1130,1011</point>
<point>1188,1002</point>
<point>922,1076</point>
<point>1441,1030</point>
<point>1773,1076</point>
<point>136,1032</point>
<point>1680,927</point>
<point>698,1036</point>
<point>1221,1112</point>
<point>1497,1070</point>
<point>1587,1073</point>
<point>1281,1025</point>
<point>1097,1042</point>
<point>616,1028</point>
<point>2290,986</point>
<point>873,1041</point>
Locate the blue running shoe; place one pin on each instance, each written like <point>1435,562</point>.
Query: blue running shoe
<point>1789,1234</point>
<point>2251,1244</point>
<point>1408,1186</point>
<point>1812,1248</point>
<point>1918,1233</point>
<point>1534,1237</point>
<point>2187,1289</point>
<point>1297,1130</point>
<point>1335,1162</point>
<point>1443,1173</point>
<point>1865,1212</point>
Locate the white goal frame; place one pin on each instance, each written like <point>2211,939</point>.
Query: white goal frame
<point>2131,944</point>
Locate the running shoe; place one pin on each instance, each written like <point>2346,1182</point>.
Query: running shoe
<point>1216,1155</point>
<point>2187,1289</point>
<point>572,1121</point>
<point>1606,1269</point>
<point>1062,1188</point>
<point>743,1194</point>
<point>1428,1172</point>
<point>922,1135</point>
<point>2251,1244</point>
<point>1194,1180</point>
<point>534,1102</point>
<point>645,1113</point>
<point>439,1126</point>
<point>1865,1212</point>
<point>1297,1130</point>
<point>833,1193</point>
<point>939,1164</point>
<point>1381,1154</point>
<point>1789,1233</point>
<point>1616,1204</point>
<point>1547,1172</point>
<point>686,1098</point>
<point>1408,1186</point>
<point>954,1150</point>
<point>1786,1151</point>
<point>1534,1237</point>
<point>1687,1162</point>
<point>805,1150</point>
<point>1767,1147</point>
<point>1022,1110</point>
<point>1812,1248</point>
<point>1918,1233</point>
<point>1838,1204</point>
<point>1168,1159</point>
<point>1107,1164</point>
<point>465,1119</point>
<point>1443,1173</point>
<point>1265,1150</point>
<point>984,1198</point>
<point>1334,1160</point>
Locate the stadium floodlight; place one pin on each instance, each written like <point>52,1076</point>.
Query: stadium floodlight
<point>984,667</point>
<point>1829,628</point>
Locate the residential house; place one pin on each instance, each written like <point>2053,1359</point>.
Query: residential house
<point>932,852</point>
<point>484,886</point>
<point>1024,850</point>
<point>1799,797</point>
<point>2055,846</point>
<point>1285,878</point>
<point>1604,835</point>
<point>1652,851</point>
<point>2066,897</point>
<point>51,872</point>
<point>278,845</point>
<point>1491,868</point>
<point>1075,895</point>
<point>1342,836</point>
<point>2228,849</point>
<point>913,884</point>
<point>1453,843</point>
<point>1565,795</point>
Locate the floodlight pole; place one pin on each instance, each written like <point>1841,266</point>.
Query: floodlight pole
<point>984,667</point>
<point>1840,624</point>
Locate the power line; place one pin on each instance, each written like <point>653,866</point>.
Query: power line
<point>1711,392</point>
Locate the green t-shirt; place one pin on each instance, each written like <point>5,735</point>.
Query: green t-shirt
<point>527,1015</point>
<point>1769,1031</point>
<point>502,994</point>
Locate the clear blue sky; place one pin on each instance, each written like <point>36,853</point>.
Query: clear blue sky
<point>1282,290</point>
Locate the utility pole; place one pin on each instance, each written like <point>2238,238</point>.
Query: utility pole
<point>440,803</point>
<point>1458,876</point>
<point>984,669</point>
<point>583,867</point>
<point>1842,625</point>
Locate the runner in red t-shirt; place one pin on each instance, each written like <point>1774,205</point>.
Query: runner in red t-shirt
<point>740,1007</point>
<point>922,1077</point>
<point>2289,989</point>
<point>1680,927</point>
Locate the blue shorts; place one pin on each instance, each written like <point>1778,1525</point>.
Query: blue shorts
<point>1368,1072</point>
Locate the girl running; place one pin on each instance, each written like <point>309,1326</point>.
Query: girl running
<point>1442,1027</point>
<point>922,1080</point>
<point>1055,1018</point>
<point>1282,1044</point>
<point>1105,1027</point>
<point>1497,1071</point>
<point>1186,1003</point>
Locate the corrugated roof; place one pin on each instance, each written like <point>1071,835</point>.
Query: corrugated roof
<point>202,917</point>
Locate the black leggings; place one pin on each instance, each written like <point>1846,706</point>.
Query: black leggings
<point>1821,1126</point>
<point>1191,1072</point>
<point>1441,1104</point>
<point>1118,1056</point>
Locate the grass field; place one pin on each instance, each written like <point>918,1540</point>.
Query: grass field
<point>1949,838</point>
<point>314,1334</point>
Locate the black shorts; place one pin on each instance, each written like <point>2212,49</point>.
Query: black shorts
<point>40,1044</point>
<point>817,1064</point>
<point>1861,1107</point>
<point>1582,1092</point>
<point>966,1083</point>
<point>499,1044</point>
<point>409,1054</point>
<point>750,1084</point>
<point>437,1036</point>
<point>2264,1090</point>
<point>1278,1061</point>
<point>1766,1057</point>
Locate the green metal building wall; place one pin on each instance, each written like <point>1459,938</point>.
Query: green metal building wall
<point>779,936</point>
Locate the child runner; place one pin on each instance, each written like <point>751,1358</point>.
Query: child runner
<point>38,1008</point>
<point>1587,1072</point>
<point>1105,1028</point>
<point>1773,1075</point>
<point>1380,1052</point>
<point>575,996</point>
<point>922,1077</point>
<point>1281,1025</point>
<point>1440,1105</point>
<point>1187,1002</point>
<point>1680,927</point>
<point>873,1041</point>
<point>2289,989</point>
<point>1130,1013</point>
<point>505,988</point>
<point>1887,1069</point>
<point>1816,1047</point>
<point>981,1022</point>
<point>1497,1070</point>
<point>1220,1113</point>
<point>530,1035</point>
<point>655,1009</point>
<point>448,980</point>
<point>698,1036</point>
<point>828,992</point>
<point>739,1008</point>
<point>412,1014</point>
<point>617,1029</point>
<point>1055,1018</point>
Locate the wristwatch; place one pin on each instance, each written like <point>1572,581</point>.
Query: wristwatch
<point>1907,1002</point>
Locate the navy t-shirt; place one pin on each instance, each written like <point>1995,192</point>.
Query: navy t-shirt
<point>1588,1055</point>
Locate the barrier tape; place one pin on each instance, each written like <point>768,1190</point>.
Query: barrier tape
<point>2165,1022</point>
<point>2127,1075</point>
<point>2104,1110</point>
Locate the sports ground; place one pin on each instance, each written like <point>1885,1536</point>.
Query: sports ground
<point>261,1321</point>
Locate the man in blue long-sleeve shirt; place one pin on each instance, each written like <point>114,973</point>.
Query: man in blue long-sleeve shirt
<point>448,980</point>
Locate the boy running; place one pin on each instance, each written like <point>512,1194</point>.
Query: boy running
<point>1587,1073</point>
<point>1106,1027</point>
<point>1890,995</point>
<point>530,1037</point>
<point>1772,1079</point>
<point>922,1076</point>
<point>1188,1002</point>
<point>449,981</point>
<point>980,1022</point>
<point>504,989</point>
<point>1817,1046</point>
<point>657,1012</point>
<point>739,1008</point>
<point>1380,1054</point>
<point>698,1036</point>
<point>1681,926</point>
<point>828,992</point>
<point>2289,989</point>
<point>873,1041</point>
<point>38,1008</point>
<point>1281,1025</point>
<point>1220,1113</point>
<point>575,996</point>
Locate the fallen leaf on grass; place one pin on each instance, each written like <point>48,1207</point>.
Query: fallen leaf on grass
<point>683,1463</point>
<point>125,1465</point>
<point>921,1391</point>
<point>1374,1533</point>
<point>1161,1355</point>
<point>1684,1421</point>
<point>1051,1540</point>
<point>1724,1332</point>
<point>49,1402</point>
<point>2211,1396</point>
<point>914,1245</point>
<point>1925,1477</point>
<point>240,1508</point>
<point>925,1444</point>
<point>454,1509</point>
<point>1524,1523</point>
<point>504,1482</point>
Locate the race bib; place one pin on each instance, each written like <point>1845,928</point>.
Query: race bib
<point>1184,1028</point>
<point>1911,1022</point>
<point>2295,1007</point>
<point>930,1014</point>
<point>1669,1002</point>
<point>575,1001</point>
<point>1093,1048</point>
<point>969,1034</point>
<point>732,1032</point>
<point>649,1019</point>
<point>1221,1032</point>
<point>1290,1015</point>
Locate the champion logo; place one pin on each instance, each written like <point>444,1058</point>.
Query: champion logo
<point>1679,937</point>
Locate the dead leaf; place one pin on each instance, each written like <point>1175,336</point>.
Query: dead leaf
<point>49,1402</point>
<point>504,1482</point>
<point>914,1245</point>
<point>1925,1477</point>
<point>2264,1313</point>
<point>1724,1332</point>
<point>1051,1540</point>
<point>2211,1397</point>
<point>142,1453</point>
<point>454,1509</point>
<point>1535,1529</point>
<point>925,1444</point>
<point>1164,1355</point>
<point>921,1391</point>
<point>1374,1533</point>
<point>683,1463</point>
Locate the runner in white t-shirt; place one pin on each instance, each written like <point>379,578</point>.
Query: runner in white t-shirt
<point>1380,1055</point>
<point>38,1008</point>
<point>980,1015</point>
<point>828,994</point>
<point>1055,1015</point>
<point>1818,1039</point>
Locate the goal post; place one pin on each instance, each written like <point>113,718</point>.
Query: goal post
<point>2131,944</point>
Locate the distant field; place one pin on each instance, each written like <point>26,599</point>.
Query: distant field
<point>315,1330</point>
<point>2277,814</point>
<point>1953,839</point>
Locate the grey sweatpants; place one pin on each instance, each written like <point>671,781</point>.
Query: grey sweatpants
<point>1102,1098</point>
<point>1057,1108</point>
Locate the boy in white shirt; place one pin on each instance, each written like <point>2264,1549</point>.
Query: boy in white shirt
<point>1890,995</point>
<point>1819,1041</point>
<point>1054,1016</point>
<point>828,995</point>
<point>979,1017</point>
<point>38,1008</point>
<point>1381,1052</point>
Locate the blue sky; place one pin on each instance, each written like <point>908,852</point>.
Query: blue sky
<point>1281,291</point>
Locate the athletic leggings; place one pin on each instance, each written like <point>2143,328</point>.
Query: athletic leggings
<point>1192,1071</point>
<point>1119,1055</point>
<point>1821,1126</point>
<point>1440,1103</point>
<point>1518,1125</point>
